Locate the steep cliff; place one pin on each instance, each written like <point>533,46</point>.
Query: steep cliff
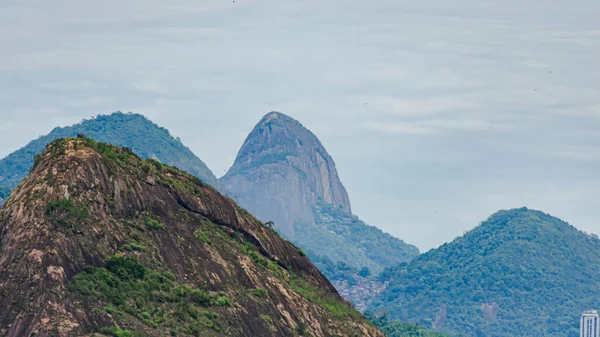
<point>96,240</point>
<point>282,171</point>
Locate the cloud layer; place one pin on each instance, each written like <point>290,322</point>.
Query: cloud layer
<point>437,114</point>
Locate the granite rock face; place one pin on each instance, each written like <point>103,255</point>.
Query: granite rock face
<point>284,174</point>
<point>282,171</point>
<point>96,241</point>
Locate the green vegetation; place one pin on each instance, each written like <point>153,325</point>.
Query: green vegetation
<point>399,329</point>
<point>116,332</point>
<point>341,237</point>
<point>155,298</point>
<point>132,246</point>
<point>64,212</point>
<point>334,271</point>
<point>520,273</point>
<point>223,301</point>
<point>4,192</point>
<point>153,224</point>
<point>260,292</point>
<point>330,302</point>
<point>210,232</point>
<point>133,131</point>
<point>142,295</point>
<point>67,206</point>
<point>334,305</point>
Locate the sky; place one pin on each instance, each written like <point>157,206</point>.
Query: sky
<point>437,113</point>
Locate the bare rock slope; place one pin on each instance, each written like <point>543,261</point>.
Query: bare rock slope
<point>282,171</point>
<point>97,241</point>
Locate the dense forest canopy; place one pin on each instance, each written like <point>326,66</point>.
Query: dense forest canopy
<point>520,273</point>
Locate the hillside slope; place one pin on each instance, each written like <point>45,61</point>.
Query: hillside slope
<point>284,174</point>
<point>97,240</point>
<point>520,273</point>
<point>134,131</point>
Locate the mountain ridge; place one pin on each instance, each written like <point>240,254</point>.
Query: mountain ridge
<point>134,131</point>
<point>92,222</point>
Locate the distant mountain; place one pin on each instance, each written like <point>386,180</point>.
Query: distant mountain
<point>134,131</point>
<point>334,228</point>
<point>520,273</point>
<point>282,171</point>
<point>98,242</point>
<point>399,329</point>
<point>284,174</point>
<point>4,193</point>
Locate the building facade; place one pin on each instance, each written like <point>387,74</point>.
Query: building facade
<point>590,324</point>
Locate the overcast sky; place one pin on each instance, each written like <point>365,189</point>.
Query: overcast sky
<point>471,105</point>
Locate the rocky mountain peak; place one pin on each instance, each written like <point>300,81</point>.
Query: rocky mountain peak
<point>96,241</point>
<point>282,171</point>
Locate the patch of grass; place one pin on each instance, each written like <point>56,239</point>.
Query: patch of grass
<point>132,246</point>
<point>255,255</point>
<point>211,315</point>
<point>153,224</point>
<point>157,165</point>
<point>223,301</point>
<point>267,319</point>
<point>202,236</point>
<point>258,259</point>
<point>334,305</point>
<point>117,332</point>
<point>64,212</point>
<point>120,156</point>
<point>65,205</point>
<point>260,292</point>
<point>135,236</point>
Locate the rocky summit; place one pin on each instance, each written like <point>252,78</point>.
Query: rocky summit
<point>282,171</point>
<point>284,174</point>
<point>96,241</point>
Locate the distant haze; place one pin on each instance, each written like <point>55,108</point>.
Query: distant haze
<point>437,113</point>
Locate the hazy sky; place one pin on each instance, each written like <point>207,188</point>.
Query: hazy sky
<point>472,105</point>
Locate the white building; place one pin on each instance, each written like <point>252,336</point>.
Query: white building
<point>590,324</point>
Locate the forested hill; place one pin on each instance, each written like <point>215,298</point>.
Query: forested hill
<point>134,131</point>
<point>520,273</point>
